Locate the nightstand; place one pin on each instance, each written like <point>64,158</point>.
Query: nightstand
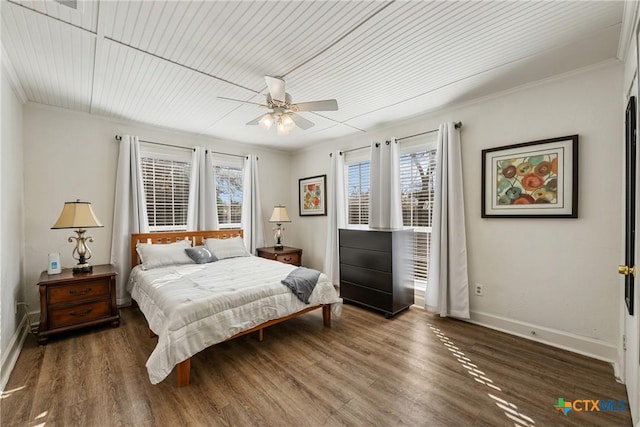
<point>287,254</point>
<point>71,301</point>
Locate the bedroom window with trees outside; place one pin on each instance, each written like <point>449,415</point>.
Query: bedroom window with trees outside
<point>417,182</point>
<point>229,194</point>
<point>358,178</point>
<point>166,187</point>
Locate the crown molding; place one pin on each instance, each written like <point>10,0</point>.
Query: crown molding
<point>629,15</point>
<point>7,66</point>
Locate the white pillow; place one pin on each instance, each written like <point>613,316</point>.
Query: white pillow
<point>154,256</point>
<point>227,248</point>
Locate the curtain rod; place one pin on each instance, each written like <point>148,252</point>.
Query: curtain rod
<point>119,138</point>
<point>456,125</point>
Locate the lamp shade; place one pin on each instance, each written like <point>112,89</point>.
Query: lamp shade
<point>77,215</point>
<point>279,215</point>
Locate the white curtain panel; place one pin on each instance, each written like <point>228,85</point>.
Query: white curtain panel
<point>385,206</point>
<point>336,215</point>
<point>448,282</point>
<point>252,223</point>
<point>129,212</point>
<point>202,213</point>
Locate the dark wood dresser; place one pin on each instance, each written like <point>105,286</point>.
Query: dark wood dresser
<point>376,268</point>
<point>70,301</point>
<point>287,254</point>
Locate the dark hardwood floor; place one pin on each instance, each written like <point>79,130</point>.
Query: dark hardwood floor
<point>415,369</point>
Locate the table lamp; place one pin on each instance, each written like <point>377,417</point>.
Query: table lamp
<point>279,216</point>
<point>79,215</point>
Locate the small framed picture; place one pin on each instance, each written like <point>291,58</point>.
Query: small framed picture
<point>313,195</point>
<point>537,179</point>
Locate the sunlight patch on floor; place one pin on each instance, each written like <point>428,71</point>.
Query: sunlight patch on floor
<point>8,393</point>
<point>509,409</point>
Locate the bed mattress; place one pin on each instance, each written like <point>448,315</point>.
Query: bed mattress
<point>193,306</point>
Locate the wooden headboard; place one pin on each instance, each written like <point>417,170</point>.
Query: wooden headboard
<point>161,238</point>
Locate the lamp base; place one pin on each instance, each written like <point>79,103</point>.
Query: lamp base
<point>84,268</point>
<point>278,247</point>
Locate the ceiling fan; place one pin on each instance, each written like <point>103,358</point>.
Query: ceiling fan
<point>283,110</point>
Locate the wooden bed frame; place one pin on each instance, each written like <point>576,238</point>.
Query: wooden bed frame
<point>183,368</point>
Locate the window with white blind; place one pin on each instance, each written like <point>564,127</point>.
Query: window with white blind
<point>417,183</point>
<point>228,173</point>
<point>357,174</point>
<point>166,187</point>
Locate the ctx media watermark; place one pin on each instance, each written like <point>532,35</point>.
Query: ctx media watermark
<point>590,405</point>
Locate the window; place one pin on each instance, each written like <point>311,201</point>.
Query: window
<point>229,192</point>
<point>417,183</point>
<point>357,174</point>
<point>166,187</point>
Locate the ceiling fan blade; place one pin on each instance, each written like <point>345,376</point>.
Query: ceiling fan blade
<point>276,88</point>
<point>244,102</point>
<point>300,121</point>
<point>325,105</point>
<point>255,121</point>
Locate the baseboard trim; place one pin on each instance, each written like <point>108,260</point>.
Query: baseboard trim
<point>10,357</point>
<point>590,347</point>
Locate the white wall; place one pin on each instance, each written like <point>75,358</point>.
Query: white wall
<point>11,224</point>
<point>628,354</point>
<point>71,155</point>
<point>556,277</point>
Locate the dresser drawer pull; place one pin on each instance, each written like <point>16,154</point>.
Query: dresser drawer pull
<point>81,313</point>
<point>287,259</point>
<point>82,292</point>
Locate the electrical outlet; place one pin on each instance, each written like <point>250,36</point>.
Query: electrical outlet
<point>479,289</point>
<point>17,307</point>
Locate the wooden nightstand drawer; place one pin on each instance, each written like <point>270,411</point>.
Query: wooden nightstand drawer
<point>79,314</point>
<point>80,291</point>
<point>70,300</point>
<point>287,255</point>
<point>288,258</point>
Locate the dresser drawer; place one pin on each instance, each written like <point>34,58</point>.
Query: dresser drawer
<point>373,260</point>
<point>78,291</point>
<point>372,240</point>
<point>79,314</point>
<point>370,297</point>
<point>366,277</point>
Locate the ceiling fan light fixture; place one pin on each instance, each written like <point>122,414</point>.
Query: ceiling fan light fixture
<point>266,121</point>
<point>283,111</point>
<point>281,128</point>
<point>288,122</point>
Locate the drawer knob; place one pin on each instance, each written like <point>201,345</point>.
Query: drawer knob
<point>81,313</point>
<point>82,292</point>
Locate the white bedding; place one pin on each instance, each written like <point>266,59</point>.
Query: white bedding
<point>193,306</point>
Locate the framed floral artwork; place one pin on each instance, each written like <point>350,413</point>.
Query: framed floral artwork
<point>313,195</point>
<point>537,179</point>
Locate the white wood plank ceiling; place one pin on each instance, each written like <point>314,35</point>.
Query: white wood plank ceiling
<point>164,63</point>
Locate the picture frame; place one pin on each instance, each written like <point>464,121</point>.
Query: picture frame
<point>537,179</point>
<point>312,195</point>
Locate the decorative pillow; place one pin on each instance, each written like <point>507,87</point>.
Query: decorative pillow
<point>154,256</point>
<point>201,255</point>
<point>227,248</point>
